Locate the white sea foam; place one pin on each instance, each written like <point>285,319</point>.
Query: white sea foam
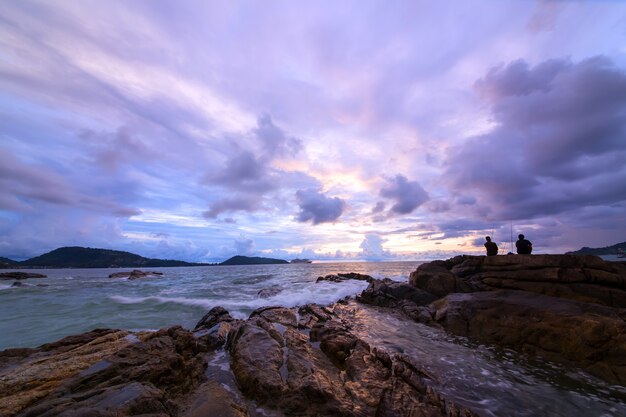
<point>177,300</point>
<point>240,304</point>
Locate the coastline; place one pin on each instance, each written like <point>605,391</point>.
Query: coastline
<point>269,350</point>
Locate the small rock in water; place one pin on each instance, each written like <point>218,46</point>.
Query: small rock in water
<point>21,275</point>
<point>134,274</point>
<point>269,292</point>
<point>346,276</point>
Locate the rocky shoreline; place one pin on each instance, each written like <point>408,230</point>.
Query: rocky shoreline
<point>309,361</point>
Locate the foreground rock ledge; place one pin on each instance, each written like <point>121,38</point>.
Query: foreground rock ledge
<point>300,362</point>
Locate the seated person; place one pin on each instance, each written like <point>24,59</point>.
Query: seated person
<point>524,247</point>
<point>492,248</point>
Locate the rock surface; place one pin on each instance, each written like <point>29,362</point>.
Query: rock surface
<point>565,308</point>
<point>586,335</point>
<point>101,373</point>
<point>294,362</point>
<point>578,277</point>
<point>134,274</point>
<point>20,275</point>
<point>346,276</point>
<point>312,365</point>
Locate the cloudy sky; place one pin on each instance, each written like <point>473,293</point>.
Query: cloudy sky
<point>198,130</point>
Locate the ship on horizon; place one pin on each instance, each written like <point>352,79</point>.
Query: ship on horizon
<point>301,261</point>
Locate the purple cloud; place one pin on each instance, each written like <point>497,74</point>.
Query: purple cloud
<point>233,204</point>
<point>559,143</point>
<point>318,208</point>
<point>408,195</point>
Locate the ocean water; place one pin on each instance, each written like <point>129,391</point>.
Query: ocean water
<point>78,300</point>
<point>492,381</point>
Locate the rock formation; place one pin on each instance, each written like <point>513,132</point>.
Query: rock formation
<point>565,308</point>
<point>21,275</point>
<point>298,362</point>
<point>345,277</point>
<point>578,277</point>
<point>134,274</point>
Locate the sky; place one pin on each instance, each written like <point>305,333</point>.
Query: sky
<point>352,130</point>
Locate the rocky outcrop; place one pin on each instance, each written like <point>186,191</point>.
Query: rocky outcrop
<point>565,308</point>
<point>312,365</point>
<point>388,293</point>
<point>134,274</point>
<point>103,373</point>
<point>294,362</point>
<point>586,335</point>
<point>21,275</point>
<point>345,277</point>
<point>578,277</point>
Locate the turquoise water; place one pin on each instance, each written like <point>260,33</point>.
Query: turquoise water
<point>78,300</point>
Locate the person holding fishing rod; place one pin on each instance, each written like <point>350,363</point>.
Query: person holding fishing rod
<point>492,248</point>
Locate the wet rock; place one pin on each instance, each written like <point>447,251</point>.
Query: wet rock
<point>212,399</point>
<point>388,293</point>
<point>212,329</point>
<point>20,275</point>
<point>311,314</point>
<point>18,284</point>
<point>325,370</point>
<point>102,373</point>
<point>578,277</point>
<point>345,276</point>
<point>586,335</point>
<point>269,292</point>
<point>134,274</point>
<point>28,375</point>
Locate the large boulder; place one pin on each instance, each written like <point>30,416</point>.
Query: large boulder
<point>586,335</point>
<point>578,277</point>
<point>388,293</point>
<point>312,365</point>
<point>102,373</point>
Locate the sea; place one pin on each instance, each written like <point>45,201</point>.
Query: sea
<point>490,380</point>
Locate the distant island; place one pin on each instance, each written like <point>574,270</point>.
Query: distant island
<point>79,257</point>
<point>252,260</point>
<point>608,250</point>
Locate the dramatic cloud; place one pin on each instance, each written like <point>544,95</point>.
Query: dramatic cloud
<point>559,143</point>
<point>318,208</point>
<point>408,195</point>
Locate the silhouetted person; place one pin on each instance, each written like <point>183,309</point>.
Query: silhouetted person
<point>492,248</point>
<point>524,247</point>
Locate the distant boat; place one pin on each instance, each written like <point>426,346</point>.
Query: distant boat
<point>620,253</point>
<point>301,261</point>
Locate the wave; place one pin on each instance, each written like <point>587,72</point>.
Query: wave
<point>240,305</point>
<point>177,300</point>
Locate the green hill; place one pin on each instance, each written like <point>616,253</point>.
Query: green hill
<point>79,257</point>
<point>252,260</point>
<point>608,250</point>
<point>7,263</point>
